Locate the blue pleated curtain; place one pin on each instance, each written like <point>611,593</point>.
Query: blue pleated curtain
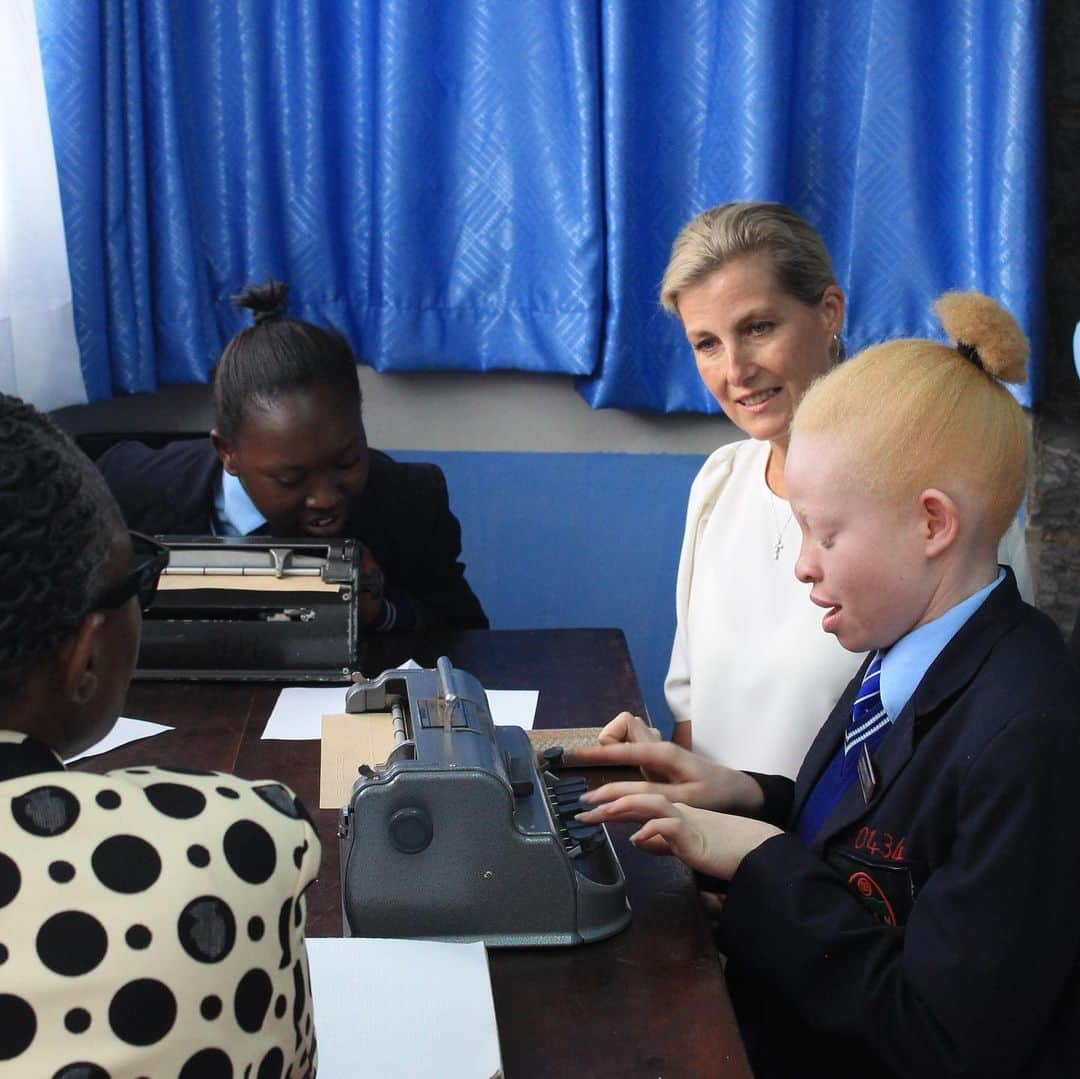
<point>482,184</point>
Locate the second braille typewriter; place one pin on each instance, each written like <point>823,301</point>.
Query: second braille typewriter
<point>460,835</point>
<point>253,608</point>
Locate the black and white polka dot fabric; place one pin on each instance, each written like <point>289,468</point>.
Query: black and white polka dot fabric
<point>151,923</point>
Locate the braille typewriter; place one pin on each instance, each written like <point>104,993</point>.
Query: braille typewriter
<point>460,835</point>
<point>255,608</point>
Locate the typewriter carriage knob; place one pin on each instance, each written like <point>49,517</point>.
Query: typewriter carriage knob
<point>410,829</point>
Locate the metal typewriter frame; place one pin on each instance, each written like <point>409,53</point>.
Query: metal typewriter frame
<point>335,560</point>
<point>458,836</point>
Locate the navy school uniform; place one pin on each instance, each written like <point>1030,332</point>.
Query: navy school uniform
<point>402,516</point>
<point>933,931</point>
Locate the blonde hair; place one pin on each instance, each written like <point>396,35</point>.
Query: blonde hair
<point>915,414</point>
<point>795,251</point>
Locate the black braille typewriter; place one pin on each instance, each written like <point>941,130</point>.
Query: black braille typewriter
<point>255,608</point>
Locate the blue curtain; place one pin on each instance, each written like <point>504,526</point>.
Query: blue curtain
<point>478,184</point>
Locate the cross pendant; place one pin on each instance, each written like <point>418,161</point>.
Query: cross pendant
<point>779,547</point>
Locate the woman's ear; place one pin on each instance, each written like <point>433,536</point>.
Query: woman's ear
<point>833,306</point>
<point>940,521</point>
<point>78,678</point>
<point>225,451</point>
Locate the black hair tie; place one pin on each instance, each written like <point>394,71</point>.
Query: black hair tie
<point>275,314</point>
<point>970,352</point>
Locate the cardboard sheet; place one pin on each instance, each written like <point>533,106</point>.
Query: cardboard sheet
<point>403,1009</point>
<point>178,582</point>
<point>348,742</point>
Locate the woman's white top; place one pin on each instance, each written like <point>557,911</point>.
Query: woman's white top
<point>751,667</point>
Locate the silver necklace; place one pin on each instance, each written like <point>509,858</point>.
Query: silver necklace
<point>779,545</point>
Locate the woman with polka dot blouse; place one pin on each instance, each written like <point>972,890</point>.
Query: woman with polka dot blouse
<point>151,920</point>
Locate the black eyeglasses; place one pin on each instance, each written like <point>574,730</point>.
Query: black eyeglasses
<point>149,559</point>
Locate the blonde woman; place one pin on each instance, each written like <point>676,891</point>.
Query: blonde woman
<point>751,672</point>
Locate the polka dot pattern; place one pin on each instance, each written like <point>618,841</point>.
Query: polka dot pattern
<point>207,929</point>
<point>45,811</point>
<point>208,1064</point>
<point>150,900</point>
<point>126,863</point>
<point>10,880</point>
<point>81,1070</point>
<point>71,943</point>
<point>77,1020</point>
<point>250,851</point>
<point>61,872</point>
<point>138,937</point>
<point>108,800</point>
<point>176,800</point>
<point>252,1000</point>
<point>142,1012</point>
<point>18,1025</point>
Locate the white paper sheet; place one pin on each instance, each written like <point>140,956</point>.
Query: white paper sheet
<point>513,707</point>
<point>124,730</point>
<point>386,1009</point>
<point>298,711</point>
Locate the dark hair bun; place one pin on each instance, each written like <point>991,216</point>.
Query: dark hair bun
<point>980,324</point>
<point>268,302</point>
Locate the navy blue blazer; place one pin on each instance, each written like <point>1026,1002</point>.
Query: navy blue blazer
<point>402,515</point>
<point>934,931</point>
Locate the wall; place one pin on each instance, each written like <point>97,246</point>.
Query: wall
<point>570,516</point>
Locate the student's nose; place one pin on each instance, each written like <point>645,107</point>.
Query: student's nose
<point>323,494</point>
<point>806,567</point>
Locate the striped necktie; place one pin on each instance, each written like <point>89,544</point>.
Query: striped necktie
<point>868,715</point>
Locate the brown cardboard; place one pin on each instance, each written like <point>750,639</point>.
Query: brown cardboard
<point>347,742</point>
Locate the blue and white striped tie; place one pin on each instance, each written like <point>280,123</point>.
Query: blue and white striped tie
<point>868,715</point>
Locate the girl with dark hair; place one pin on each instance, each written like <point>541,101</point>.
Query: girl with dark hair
<point>288,456</point>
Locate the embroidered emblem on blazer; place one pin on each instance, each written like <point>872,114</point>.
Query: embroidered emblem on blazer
<point>885,888</point>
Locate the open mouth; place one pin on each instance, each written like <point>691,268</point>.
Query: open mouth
<point>327,525</point>
<point>756,400</point>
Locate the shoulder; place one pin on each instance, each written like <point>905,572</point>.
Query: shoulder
<point>732,460</point>
<point>119,460</point>
<point>384,471</point>
<point>403,485</point>
<point>166,489</point>
<point>1025,691</point>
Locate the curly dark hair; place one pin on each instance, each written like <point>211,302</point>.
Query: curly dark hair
<point>56,525</point>
<point>277,356</point>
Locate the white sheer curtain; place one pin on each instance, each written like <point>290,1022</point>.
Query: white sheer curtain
<point>39,357</point>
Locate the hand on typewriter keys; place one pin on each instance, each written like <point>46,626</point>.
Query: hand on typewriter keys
<point>370,607</point>
<point>669,770</point>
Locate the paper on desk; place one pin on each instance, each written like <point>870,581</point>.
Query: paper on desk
<point>408,1008</point>
<point>124,730</point>
<point>298,710</point>
<point>513,707</point>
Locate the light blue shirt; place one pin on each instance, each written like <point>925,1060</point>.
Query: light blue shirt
<point>906,662</point>
<point>234,512</point>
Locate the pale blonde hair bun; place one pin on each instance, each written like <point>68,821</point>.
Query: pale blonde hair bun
<point>975,321</point>
<point>914,414</point>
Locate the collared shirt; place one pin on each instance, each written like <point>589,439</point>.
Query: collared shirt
<point>234,512</point>
<point>906,662</point>
<point>903,667</point>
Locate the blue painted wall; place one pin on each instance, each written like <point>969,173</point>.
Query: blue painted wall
<point>576,539</point>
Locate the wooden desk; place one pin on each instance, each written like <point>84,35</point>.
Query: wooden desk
<point>649,1002</point>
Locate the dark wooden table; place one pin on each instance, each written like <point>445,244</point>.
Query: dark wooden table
<point>649,1002</point>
